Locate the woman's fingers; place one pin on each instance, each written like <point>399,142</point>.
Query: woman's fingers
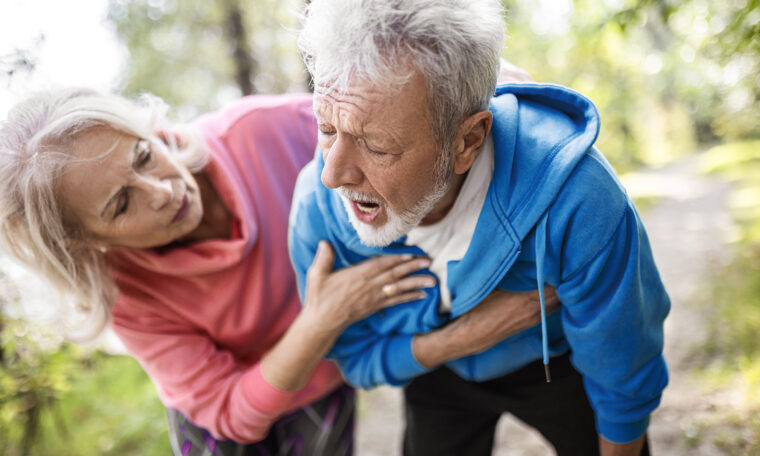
<point>365,287</point>
<point>401,270</point>
<point>375,266</point>
<point>414,282</point>
<point>405,290</point>
<point>323,262</point>
<point>409,296</point>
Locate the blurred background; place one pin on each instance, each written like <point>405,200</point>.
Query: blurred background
<point>677,84</point>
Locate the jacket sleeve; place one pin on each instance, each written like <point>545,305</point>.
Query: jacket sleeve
<point>204,382</point>
<point>366,356</point>
<point>614,305</point>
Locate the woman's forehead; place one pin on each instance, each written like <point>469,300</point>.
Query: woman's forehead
<point>102,163</point>
<point>100,142</point>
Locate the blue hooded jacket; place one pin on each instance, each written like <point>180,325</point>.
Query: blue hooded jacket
<point>555,214</point>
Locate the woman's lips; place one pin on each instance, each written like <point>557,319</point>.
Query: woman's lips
<point>182,211</point>
<point>364,211</point>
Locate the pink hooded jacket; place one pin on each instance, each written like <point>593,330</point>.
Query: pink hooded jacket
<point>200,318</point>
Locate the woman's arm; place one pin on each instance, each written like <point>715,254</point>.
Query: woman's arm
<point>203,381</point>
<point>509,72</point>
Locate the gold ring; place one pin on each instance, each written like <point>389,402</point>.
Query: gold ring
<point>389,289</point>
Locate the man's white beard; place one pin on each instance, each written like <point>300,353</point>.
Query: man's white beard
<point>396,225</point>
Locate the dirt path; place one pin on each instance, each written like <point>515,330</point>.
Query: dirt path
<point>688,227</point>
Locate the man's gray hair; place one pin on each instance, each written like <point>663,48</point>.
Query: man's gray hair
<point>454,44</point>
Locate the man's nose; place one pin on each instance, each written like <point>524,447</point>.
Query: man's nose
<point>340,165</point>
<point>160,191</point>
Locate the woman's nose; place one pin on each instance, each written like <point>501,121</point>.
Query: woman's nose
<point>160,192</point>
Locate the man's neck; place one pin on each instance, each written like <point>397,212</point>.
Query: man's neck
<point>447,202</point>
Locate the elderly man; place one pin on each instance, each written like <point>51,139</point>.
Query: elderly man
<point>503,189</point>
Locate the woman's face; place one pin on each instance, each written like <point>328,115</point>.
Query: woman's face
<point>135,196</point>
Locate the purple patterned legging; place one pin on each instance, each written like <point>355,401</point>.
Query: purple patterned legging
<point>325,427</point>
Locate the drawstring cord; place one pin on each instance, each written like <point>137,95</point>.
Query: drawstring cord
<point>540,253</point>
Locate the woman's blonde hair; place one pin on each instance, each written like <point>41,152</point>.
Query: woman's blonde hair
<point>36,141</point>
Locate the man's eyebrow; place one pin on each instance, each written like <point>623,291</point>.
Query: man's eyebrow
<point>320,111</point>
<point>121,190</point>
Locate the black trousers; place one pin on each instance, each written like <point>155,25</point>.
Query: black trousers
<point>446,415</point>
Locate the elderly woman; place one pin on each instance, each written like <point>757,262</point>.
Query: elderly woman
<point>176,236</point>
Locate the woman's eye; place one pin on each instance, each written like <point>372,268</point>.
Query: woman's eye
<point>145,157</point>
<point>123,205</point>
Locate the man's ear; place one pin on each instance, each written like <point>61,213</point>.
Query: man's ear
<point>471,135</point>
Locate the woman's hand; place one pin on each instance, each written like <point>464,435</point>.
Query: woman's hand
<point>335,299</point>
<point>509,72</point>
<point>500,315</point>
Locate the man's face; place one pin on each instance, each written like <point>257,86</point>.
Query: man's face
<point>380,154</point>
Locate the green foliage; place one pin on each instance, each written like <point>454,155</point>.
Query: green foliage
<point>666,75</point>
<point>31,380</point>
<point>645,202</point>
<point>63,400</point>
<point>184,51</point>
<point>734,296</point>
<point>733,343</point>
<point>740,162</point>
<point>652,67</point>
<point>111,409</point>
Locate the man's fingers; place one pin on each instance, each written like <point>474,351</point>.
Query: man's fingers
<point>551,299</point>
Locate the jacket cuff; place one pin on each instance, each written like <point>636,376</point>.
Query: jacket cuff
<point>263,396</point>
<point>622,432</point>
<point>404,366</point>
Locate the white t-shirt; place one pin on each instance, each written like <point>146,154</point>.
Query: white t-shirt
<point>448,239</point>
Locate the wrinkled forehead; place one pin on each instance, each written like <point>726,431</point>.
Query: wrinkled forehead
<point>370,96</point>
<point>361,97</point>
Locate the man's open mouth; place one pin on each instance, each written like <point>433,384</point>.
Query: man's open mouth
<point>365,211</point>
<point>367,208</point>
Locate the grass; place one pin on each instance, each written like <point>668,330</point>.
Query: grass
<point>644,203</point>
<point>740,163</point>
<point>734,295</point>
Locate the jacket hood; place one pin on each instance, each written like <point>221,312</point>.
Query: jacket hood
<point>541,132</point>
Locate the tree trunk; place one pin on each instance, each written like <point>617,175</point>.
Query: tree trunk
<point>245,65</point>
